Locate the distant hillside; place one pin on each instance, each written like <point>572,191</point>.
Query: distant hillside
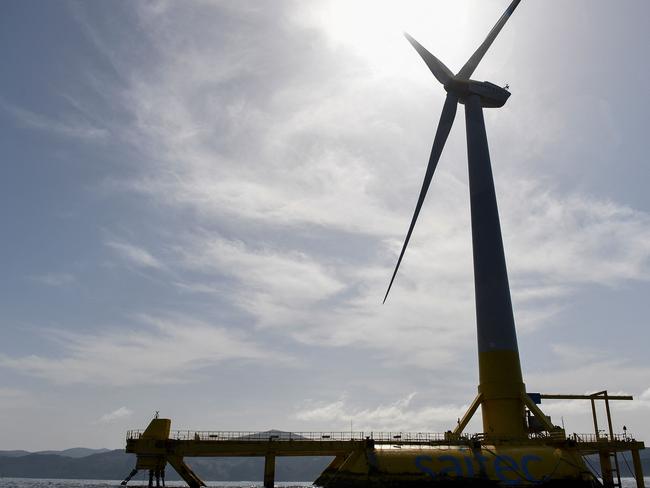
<point>14,453</point>
<point>117,464</point>
<point>75,452</point>
<point>95,466</point>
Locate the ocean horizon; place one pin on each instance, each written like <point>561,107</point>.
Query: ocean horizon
<point>63,483</point>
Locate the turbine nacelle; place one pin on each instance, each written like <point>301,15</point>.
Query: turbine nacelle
<point>491,95</point>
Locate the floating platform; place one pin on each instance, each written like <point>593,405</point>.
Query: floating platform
<point>394,459</point>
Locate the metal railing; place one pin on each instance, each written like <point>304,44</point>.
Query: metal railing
<point>627,437</point>
<point>377,437</point>
<point>252,436</point>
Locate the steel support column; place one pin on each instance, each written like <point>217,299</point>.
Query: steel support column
<point>500,378</point>
<point>606,468</point>
<point>269,470</point>
<point>638,468</point>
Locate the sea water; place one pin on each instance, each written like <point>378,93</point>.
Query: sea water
<point>39,483</point>
<point>51,483</point>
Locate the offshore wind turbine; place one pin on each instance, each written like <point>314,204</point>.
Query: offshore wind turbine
<point>513,450</point>
<point>501,388</point>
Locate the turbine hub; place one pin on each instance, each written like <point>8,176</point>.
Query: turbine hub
<point>491,95</point>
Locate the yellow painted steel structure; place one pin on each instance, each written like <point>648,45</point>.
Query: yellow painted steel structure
<point>367,460</point>
<point>522,465</point>
<point>503,393</point>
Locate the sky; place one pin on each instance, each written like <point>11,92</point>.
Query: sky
<point>202,204</point>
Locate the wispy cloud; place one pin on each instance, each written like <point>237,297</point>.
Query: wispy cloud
<point>63,126</point>
<point>118,414</point>
<point>160,350</point>
<point>400,415</point>
<point>135,255</point>
<point>575,238</point>
<point>291,278</point>
<point>323,302</point>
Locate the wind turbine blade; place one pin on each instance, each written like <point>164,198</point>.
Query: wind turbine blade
<point>437,67</point>
<point>471,64</point>
<point>446,121</point>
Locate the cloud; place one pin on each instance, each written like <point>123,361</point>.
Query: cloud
<point>298,178</point>
<point>333,300</point>
<point>592,370</point>
<point>298,175</point>
<point>400,415</point>
<point>118,414</point>
<point>324,302</point>
<point>161,350</point>
<point>71,127</point>
<point>645,396</point>
<point>135,255</point>
<point>575,238</point>
<point>323,157</point>
<point>290,278</point>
